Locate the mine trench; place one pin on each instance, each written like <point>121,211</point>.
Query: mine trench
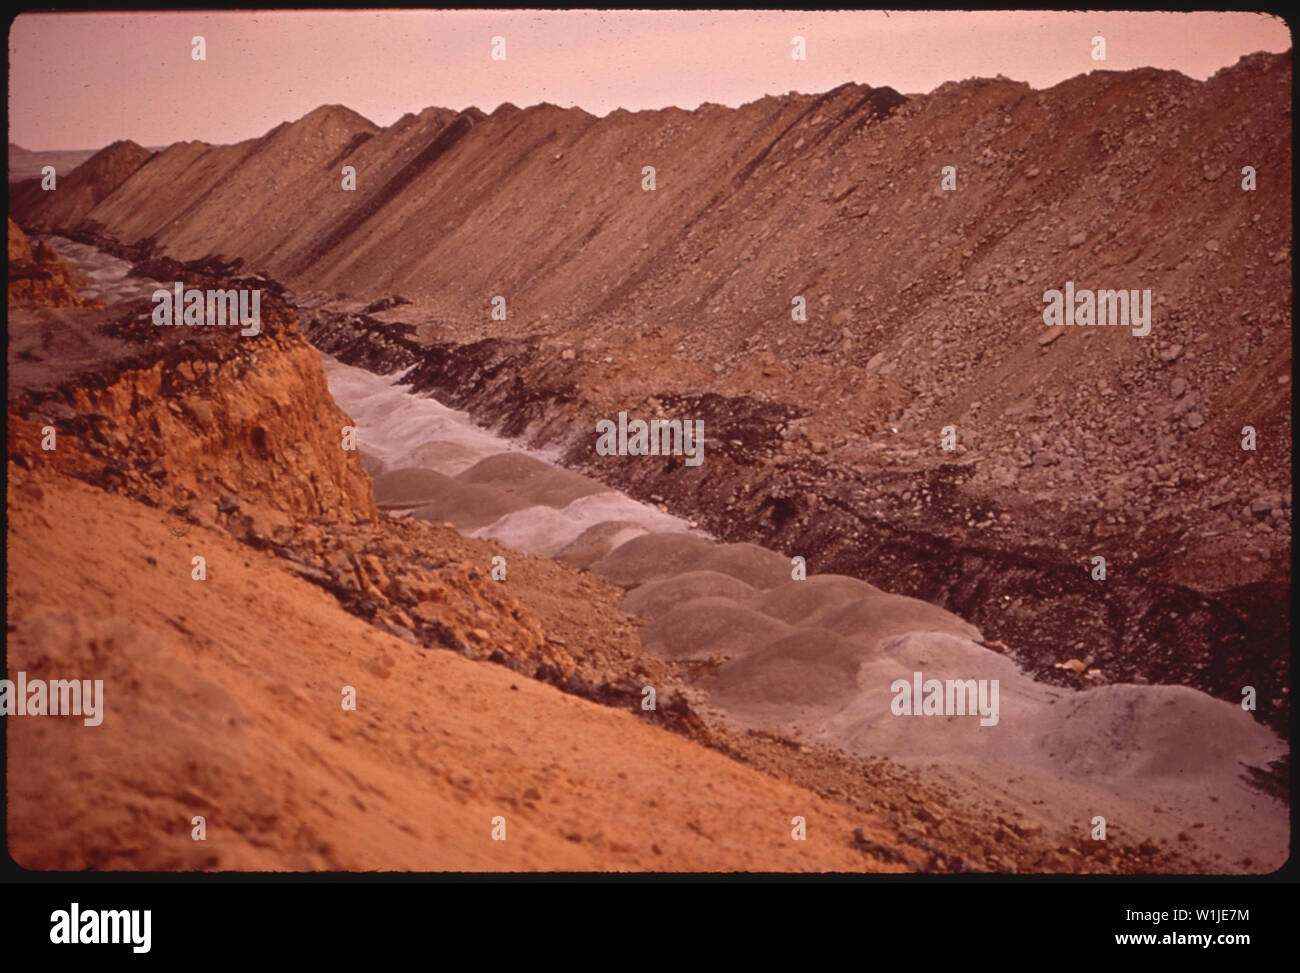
<point>1030,602</point>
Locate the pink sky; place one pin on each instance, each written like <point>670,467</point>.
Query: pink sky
<point>83,80</point>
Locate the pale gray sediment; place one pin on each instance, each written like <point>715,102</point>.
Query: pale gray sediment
<point>820,655</point>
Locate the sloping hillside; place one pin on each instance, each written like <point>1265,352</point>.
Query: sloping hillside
<point>231,710</point>
<point>77,191</point>
<point>924,306</point>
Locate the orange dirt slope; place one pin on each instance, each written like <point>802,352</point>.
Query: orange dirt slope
<point>229,708</point>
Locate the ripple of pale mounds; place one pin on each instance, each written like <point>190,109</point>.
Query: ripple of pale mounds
<point>657,555</point>
<point>656,598</point>
<point>796,601</point>
<point>530,478</point>
<point>597,541</point>
<point>881,616</point>
<point>756,566</point>
<point>536,528</point>
<point>446,457</point>
<point>1127,734</point>
<point>650,556</point>
<point>409,487</point>
<point>868,723</point>
<point>462,505</point>
<point>1145,732</point>
<point>703,627</point>
<point>380,410</point>
<point>807,667</point>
